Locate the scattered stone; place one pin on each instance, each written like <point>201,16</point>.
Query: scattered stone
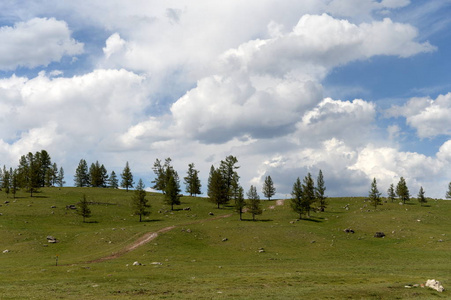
<point>261,250</point>
<point>225,239</point>
<point>156,263</point>
<point>440,240</point>
<point>1,214</point>
<point>6,202</point>
<point>379,234</point>
<point>51,239</point>
<point>348,230</point>
<point>71,206</point>
<point>211,214</point>
<point>434,284</point>
<point>5,251</point>
<point>188,230</point>
<point>136,263</point>
<point>187,208</point>
<point>312,242</point>
<point>53,206</point>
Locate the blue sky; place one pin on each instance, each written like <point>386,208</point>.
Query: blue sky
<point>360,89</point>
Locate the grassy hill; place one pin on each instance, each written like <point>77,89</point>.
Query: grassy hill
<point>204,257</point>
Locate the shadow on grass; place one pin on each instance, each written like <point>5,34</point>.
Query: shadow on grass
<point>311,220</point>
<point>257,220</point>
<point>91,222</point>
<point>37,197</point>
<point>151,221</point>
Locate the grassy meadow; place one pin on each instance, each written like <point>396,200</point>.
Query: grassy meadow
<point>311,258</point>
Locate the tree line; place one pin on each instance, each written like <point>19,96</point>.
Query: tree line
<point>33,172</point>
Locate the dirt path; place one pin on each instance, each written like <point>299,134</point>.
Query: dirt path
<point>150,236</point>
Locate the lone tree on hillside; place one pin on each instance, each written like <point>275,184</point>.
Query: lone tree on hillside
<point>239,202</point>
<point>127,178</point>
<point>421,197</point>
<point>163,173</point>
<point>391,193</point>
<point>253,204</point>
<point>268,188</point>
<point>139,202</point>
<point>172,192</point>
<point>84,210</point>
<point>374,195</point>
<point>217,188</point>
<point>320,191</point>
<point>192,181</point>
<point>402,190</point>
<point>297,196</point>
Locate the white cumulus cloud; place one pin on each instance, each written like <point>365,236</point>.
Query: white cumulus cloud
<point>36,42</point>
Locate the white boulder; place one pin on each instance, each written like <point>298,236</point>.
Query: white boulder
<point>434,284</point>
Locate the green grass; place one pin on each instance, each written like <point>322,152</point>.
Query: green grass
<point>311,259</point>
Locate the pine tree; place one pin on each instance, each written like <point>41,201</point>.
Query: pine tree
<point>113,181</point>
<point>163,173</point>
<point>421,197</point>
<point>81,178</point>
<point>448,193</point>
<point>308,190</point>
<point>391,193</point>
<point>374,195</point>
<point>253,204</point>
<point>297,198</point>
<point>84,210</point>
<point>14,181</point>
<point>127,178</point>
<point>320,192</point>
<point>228,169</point>
<point>6,181</point>
<point>139,202</point>
<point>172,192</point>
<point>268,188</point>
<point>402,190</point>
<point>239,202</point>
<point>192,182</point>
<point>217,189</point>
<point>29,172</point>
<point>60,179</point>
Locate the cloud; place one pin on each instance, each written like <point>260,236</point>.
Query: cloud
<point>36,42</point>
<point>429,117</point>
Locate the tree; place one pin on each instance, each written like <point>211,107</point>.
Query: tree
<point>163,173</point>
<point>374,195</point>
<point>402,190</point>
<point>127,178</point>
<point>81,178</point>
<point>172,192</point>
<point>14,181</point>
<point>268,188</point>
<point>29,172</point>
<point>6,181</point>
<point>239,202</point>
<point>139,202</point>
<point>421,197</point>
<point>320,191</point>
<point>448,193</point>
<point>113,182</point>
<point>43,164</point>
<point>228,168</point>
<point>296,200</point>
<point>60,178</point>
<point>391,193</point>
<point>192,181</point>
<point>217,189</point>
<point>253,204</point>
<point>84,210</point>
<point>308,193</point>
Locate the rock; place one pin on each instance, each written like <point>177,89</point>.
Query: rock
<point>51,239</point>
<point>136,263</point>
<point>53,206</point>
<point>261,251</point>
<point>379,234</point>
<point>188,230</point>
<point>5,251</point>
<point>434,284</point>
<point>187,208</point>
<point>225,239</point>
<point>211,214</point>
<point>6,202</point>
<point>71,206</point>
<point>348,230</point>
<point>156,263</point>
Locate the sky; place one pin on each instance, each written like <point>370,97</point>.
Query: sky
<point>359,89</point>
